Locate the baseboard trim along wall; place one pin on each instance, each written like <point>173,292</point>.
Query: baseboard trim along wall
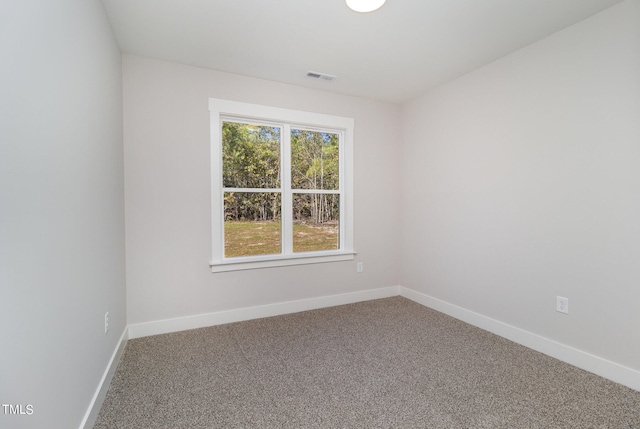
<point>610,370</point>
<point>620,374</point>
<point>91,415</point>
<point>238,315</point>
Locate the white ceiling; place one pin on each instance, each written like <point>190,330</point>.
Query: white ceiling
<point>393,54</point>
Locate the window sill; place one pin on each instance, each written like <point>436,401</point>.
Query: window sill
<point>255,262</point>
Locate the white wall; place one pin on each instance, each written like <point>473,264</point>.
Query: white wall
<point>61,207</point>
<point>168,194</point>
<point>522,182</point>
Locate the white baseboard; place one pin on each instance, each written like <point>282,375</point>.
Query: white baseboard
<point>581,359</point>
<point>218,318</point>
<point>91,415</point>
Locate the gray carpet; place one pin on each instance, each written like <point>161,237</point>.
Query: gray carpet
<point>389,363</point>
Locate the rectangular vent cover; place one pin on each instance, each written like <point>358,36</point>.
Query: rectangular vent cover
<point>323,76</point>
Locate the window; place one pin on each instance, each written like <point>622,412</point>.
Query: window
<point>282,186</point>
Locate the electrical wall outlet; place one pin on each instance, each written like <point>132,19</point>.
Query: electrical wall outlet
<point>562,304</point>
<point>359,267</point>
<point>106,322</point>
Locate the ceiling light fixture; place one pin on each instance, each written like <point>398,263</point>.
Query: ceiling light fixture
<point>365,5</point>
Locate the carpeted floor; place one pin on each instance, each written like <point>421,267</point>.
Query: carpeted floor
<point>388,363</point>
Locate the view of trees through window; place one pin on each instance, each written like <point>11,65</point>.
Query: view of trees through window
<point>253,189</point>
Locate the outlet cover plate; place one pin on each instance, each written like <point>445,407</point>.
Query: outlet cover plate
<point>562,304</point>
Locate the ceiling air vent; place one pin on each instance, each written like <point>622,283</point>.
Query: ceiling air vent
<point>323,76</point>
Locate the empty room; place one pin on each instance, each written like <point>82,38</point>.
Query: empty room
<point>320,214</point>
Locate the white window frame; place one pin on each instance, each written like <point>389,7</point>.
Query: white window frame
<point>232,110</point>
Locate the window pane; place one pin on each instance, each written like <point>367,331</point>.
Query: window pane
<point>250,156</point>
<point>314,160</point>
<point>316,223</point>
<point>252,224</point>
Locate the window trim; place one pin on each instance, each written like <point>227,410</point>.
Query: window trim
<point>223,109</point>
